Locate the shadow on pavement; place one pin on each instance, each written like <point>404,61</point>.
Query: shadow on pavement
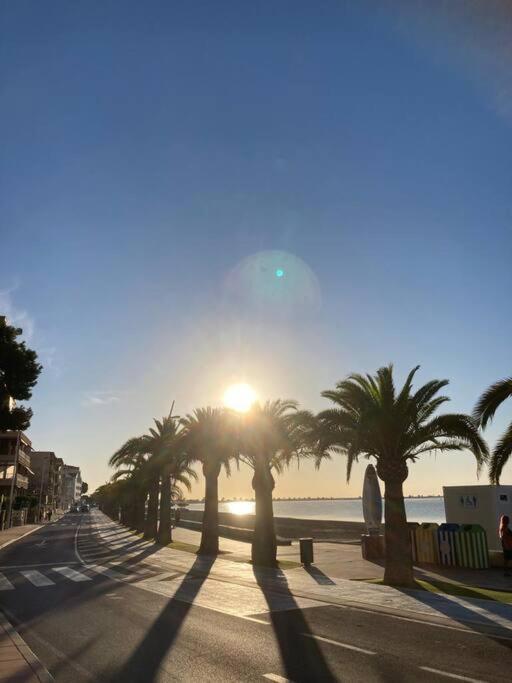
<point>454,609</point>
<point>301,655</point>
<point>319,575</point>
<point>144,663</point>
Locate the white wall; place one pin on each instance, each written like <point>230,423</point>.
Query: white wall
<point>479,505</point>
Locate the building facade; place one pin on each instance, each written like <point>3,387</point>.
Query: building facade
<point>59,462</point>
<point>45,484</point>
<point>71,485</point>
<point>15,469</point>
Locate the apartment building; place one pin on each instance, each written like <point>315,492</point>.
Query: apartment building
<point>46,482</point>
<point>15,467</point>
<point>71,485</point>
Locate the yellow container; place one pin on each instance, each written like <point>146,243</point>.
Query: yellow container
<point>427,547</point>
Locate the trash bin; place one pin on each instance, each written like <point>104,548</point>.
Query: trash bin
<point>446,542</point>
<point>471,546</point>
<point>427,548</point>
<point>306,550</point>
<point>412,526</point>
<point>372,547</point>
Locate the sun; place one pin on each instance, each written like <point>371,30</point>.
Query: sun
<point>239,397</point>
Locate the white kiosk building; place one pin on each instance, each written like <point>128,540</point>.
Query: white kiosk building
<point>479,505</point>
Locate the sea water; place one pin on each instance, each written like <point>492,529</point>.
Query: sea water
<point>347,510</point>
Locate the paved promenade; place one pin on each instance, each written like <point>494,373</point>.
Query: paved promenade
<point>313,584</point>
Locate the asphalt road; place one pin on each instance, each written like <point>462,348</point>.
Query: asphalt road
<point>85,626</point>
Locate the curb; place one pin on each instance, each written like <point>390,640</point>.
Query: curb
<point>41,672</point>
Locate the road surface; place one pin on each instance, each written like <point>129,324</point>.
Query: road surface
<point>85,612</point>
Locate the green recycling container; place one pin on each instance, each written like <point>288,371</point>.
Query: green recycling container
<point>471,546</point>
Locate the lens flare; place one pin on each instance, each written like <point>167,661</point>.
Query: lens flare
<point>273,283</point>
<point>239,397</point>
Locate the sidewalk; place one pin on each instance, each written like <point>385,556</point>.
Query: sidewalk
<point>344,561</point>
<point>17,661</point>
<point>8,536</point>
<point>315,585</point>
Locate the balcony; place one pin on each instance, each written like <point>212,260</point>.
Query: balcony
<point>24,458</point>
<point>6,481</point>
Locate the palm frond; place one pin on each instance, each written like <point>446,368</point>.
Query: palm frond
<point>371,419</point>
<point>491,400</point>
<point>500,455</point>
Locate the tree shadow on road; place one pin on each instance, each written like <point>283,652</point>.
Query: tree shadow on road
<point>144,663</point>
<point>470,615</point>
<point>301,655</point>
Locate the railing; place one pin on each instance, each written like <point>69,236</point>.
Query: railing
<point>24,459</point>
<point>21,481</point>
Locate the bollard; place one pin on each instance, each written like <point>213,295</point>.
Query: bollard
<point>306,550</point>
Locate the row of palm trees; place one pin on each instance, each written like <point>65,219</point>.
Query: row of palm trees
<point>369,417</point>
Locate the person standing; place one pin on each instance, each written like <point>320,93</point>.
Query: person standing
<point>505,535</point>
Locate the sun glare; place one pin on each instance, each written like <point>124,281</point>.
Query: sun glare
<point>239,397</point>
<point>241,507</point>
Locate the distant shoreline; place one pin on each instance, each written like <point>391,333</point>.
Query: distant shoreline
<point>300,500</point>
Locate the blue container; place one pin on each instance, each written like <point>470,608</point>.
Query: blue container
<point>447,546</point>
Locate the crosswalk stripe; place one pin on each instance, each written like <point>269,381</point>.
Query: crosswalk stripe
<point>37,578</point>
<point>117,576</point>
<point>72,574</point>
<point>5,584</point>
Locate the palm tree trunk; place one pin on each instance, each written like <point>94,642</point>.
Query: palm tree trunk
<point>151,526</point>
<point>398,570</point>
<point>140,510</point>
<point>210,532</point>
<point>164,536</point>
<point>264,545</point>
<point>123,517</point>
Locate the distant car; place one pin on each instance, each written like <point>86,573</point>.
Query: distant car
<point>84,508</point>
<point>74,508</point>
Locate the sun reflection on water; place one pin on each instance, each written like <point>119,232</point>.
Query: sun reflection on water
<point>241,507</point>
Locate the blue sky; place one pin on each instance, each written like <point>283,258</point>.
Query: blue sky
<point>157,157</point>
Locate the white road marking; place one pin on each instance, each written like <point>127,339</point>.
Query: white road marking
<point>256,621</point>
<point>336,642</point>
<point>111,573</point>
<point>72,574</point>
<point>449,675</point>
<point>37,578</point>
<point>5,584</point>
<point>277,678</point>
<point>423,622</point>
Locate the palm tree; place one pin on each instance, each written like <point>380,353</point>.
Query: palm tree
<point>146,461</point>
<point>108,497</point>
<point>484,411</point>
<point>270,436</point>
<point>210,440</point>
<point>174,465</point>
<point>370,419</point>
<point>131,463</point>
